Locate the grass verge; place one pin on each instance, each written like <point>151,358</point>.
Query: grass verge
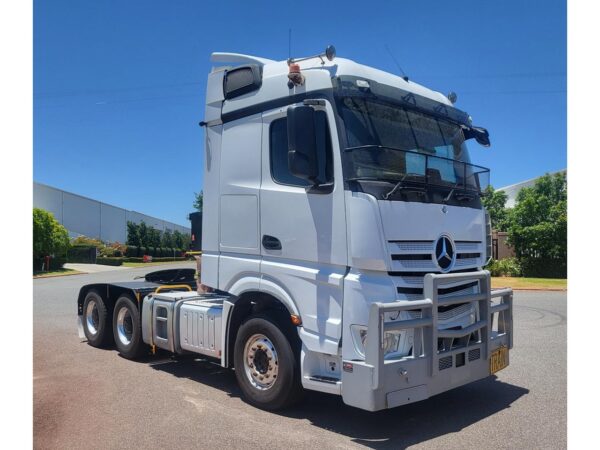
<point>550,284</point>
<point>56,273</point>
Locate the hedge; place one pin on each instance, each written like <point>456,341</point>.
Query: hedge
<point>544,267</point>
<point>132,250</point>
<point>109,261</point>
<point>166,259</point>
<point>81,254</point>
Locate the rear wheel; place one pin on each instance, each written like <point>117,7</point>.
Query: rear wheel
<point>127,328</point>
<point>96,325</point>
<point>266,366</point>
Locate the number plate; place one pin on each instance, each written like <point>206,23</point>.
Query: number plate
<point>498,359</point>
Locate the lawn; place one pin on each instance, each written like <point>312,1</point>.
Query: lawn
<point>530,283</point>
<point>55,273</point>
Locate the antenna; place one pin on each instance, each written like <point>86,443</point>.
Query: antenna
<point>289,43</point>
<point>396,61</point>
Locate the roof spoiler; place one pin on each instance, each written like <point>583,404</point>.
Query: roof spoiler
<point>223,57</point>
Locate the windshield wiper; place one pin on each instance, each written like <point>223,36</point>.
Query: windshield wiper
<point>461,196</point>
<point>400,186</point>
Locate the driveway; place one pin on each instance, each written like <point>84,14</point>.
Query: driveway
<point>90,398</point>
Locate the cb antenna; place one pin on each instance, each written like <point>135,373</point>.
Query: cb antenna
<point>404,77</point>
<point>289,43</point>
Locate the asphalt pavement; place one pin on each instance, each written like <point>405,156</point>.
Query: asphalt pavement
<point>92,398</point>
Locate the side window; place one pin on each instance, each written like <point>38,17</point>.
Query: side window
<point>278,145</point>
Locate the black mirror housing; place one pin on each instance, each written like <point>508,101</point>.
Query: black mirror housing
<point>481,135</point>
<point>302,145</point>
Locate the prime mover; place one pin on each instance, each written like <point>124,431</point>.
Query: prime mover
<point>343,242</point>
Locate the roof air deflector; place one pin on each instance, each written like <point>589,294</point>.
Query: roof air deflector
<point>223,57</point>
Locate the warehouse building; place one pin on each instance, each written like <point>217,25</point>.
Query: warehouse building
<point>92,218</point>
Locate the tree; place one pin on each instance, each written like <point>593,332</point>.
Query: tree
<point>167,239</point>
<point>199,200</point>
<point>133,234</point>
<point>178,239</point>
<point>154,236</point>
<point>538,223</point>
<point>50,238</point>
<point>143,234</point>
<point>494,202</point>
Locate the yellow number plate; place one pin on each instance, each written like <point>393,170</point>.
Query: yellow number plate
<point>498,359</point>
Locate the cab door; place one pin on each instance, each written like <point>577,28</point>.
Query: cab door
<point>303,230</point>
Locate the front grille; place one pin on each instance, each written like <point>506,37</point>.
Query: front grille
<point>419,255</point>
<point>474,354</point>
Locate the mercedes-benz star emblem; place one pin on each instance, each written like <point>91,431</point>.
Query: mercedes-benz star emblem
<point>444,253</point>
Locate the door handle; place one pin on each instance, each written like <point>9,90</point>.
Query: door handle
<point>271,242</point>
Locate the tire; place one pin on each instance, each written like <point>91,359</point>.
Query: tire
<point>269,386</point>
<point>96,324</point>
<point>127,328</point>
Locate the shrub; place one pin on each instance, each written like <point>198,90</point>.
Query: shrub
<point>87,242</point>
<point>544,267</point>
<point>109,261</point>
<point>143,251</point>
<point>119,248</point>
<point>82,254</point>
<point>107,252</point>
<point>507,267</point>
<point>49,236</point>
<point>151,251</point>
<point>132,251</point>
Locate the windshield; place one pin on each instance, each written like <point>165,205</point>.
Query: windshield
<point>391,143</point>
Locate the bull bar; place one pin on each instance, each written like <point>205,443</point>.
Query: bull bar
<point>377,383</point>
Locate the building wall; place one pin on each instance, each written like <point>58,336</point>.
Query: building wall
<point>500,247</point>
<point>84,216</point>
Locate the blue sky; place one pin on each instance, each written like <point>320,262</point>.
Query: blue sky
<point>119,86</point>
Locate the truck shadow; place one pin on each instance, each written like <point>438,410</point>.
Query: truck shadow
<point>396,428</point>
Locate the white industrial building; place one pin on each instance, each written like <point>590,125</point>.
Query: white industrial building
<point>85,216</point>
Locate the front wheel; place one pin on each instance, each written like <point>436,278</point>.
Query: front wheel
<point>127,328</point>
<point>266,367</point>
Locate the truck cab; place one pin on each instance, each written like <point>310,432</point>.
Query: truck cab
<point>330,187</point>
<point>343,242</point>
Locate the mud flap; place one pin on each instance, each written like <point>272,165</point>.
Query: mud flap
<point>80,327</point>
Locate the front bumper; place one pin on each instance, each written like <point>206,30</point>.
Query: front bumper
<point>376,383</point>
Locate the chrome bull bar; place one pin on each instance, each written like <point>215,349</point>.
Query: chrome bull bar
<point>425,343</point>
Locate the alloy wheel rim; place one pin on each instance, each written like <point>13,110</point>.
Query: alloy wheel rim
<point>261,363</point>
<point>92,318</point>
<point>124,326</point>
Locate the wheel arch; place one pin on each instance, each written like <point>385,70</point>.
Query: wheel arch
<point>251,302</point>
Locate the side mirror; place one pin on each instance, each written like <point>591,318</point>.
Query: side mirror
<point>302,144</point>
<point>481,135</point>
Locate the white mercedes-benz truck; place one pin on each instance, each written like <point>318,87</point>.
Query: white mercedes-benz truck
<point>343,246</point>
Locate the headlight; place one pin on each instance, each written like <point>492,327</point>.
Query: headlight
<point>391,340</point>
